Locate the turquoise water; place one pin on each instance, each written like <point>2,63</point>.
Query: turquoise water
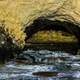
<point>62,65</point>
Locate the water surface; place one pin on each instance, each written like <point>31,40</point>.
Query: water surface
<point>42,65</point>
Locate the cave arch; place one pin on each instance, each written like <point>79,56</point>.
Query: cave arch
<point>45,24</point>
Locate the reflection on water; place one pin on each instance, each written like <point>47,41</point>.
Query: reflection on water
<point>48,65</point>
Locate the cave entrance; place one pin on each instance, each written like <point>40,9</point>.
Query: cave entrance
<point>60,35</point>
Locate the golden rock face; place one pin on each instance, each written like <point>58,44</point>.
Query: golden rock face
<point>16,13</point>
<point>52,36</point>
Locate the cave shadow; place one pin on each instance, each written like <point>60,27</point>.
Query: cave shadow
<point>45,24</point>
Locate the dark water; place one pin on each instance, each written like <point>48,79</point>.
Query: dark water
<point>42,65</point>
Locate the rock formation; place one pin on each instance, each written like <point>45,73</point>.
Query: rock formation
<point>18,14</point>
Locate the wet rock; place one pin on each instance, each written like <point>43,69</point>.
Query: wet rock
<point>45,74</point>
<point>42,56</point>
<point>53,59</point>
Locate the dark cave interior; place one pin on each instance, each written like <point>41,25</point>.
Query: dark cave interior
<point>45,24</point>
